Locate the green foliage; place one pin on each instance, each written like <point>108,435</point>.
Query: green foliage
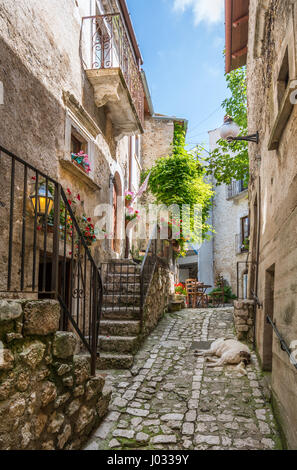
<point>230,161</point>
<point>179,179</point>
<point>221,283</point>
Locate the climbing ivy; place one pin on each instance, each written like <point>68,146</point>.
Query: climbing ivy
<point>180,179</point>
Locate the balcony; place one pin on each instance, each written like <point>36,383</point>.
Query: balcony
<point>112,69</point>
<point>236,188</point>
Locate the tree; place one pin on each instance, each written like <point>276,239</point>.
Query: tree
<point>179,179</point>
<point>230,161</point>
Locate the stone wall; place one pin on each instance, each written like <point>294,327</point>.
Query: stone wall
<point>273,192</point>
<point>48,400</point>
<point>244,320</point>
<point>158,298</point>
<point>226,222</point>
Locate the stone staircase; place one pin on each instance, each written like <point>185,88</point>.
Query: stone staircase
<point>120,325</point>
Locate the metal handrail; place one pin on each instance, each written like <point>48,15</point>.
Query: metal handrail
<point>73,280</point>
<point>283,343</point>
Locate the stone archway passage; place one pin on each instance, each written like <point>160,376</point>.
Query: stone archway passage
<point>170,400</point>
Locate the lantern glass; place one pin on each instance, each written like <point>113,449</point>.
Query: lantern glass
<point>42,202</point>
<point>229,130</point>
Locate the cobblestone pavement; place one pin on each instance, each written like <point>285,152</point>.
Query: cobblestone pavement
<point>171,400</point>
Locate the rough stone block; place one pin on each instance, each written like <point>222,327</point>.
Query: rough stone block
<point>64,436</point>
<point>56,421</point>
<point>6,358</point>
<point>41,317</point>
<point>64,344</point>
<point>10,310</point>
<point>33,354</point>
<point>82,369</point>
<point>85,418</point>
<point>103,402</point>
<point>94,386</point>
<point>49,393</point>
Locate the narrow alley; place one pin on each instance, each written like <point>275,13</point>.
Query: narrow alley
<point>170,400</point>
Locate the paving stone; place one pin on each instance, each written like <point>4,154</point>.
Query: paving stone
<point>114,443</point>
<point>137,412</point>
<point>163,439</point>
<point>128,434</point>
<point>142,437</point>
<point>170,390</point>
<point>172,417</point>
<point>188,429</point>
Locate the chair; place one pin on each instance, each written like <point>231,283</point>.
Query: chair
<point>191,292</point>
<point>195,291</point>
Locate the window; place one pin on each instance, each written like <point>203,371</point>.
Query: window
<point>283,78</point>
<point>79,151</point>
<point>244,233</point>
<point>78,143</point>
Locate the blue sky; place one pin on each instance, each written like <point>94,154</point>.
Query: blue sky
<point>182,43</point>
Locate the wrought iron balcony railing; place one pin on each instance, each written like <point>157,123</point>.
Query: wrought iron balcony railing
<point>236,188</point>
<point>111,49</point>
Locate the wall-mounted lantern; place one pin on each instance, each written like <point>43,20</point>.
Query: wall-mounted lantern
<point>230,132</point>
<point>42,202</point>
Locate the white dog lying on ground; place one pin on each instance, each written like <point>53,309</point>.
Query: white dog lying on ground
<point>229,351</point>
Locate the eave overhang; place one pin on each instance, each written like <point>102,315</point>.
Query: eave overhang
<point>236,27</point>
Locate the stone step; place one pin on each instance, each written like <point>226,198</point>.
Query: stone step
<point>124,269</point>
<point>122,287</point>
<point>121,300</point>
<point>118,344</point>
<point>116,278</point>
<point>120,313</point>
<point>119,328</point>
<point>108,361</point>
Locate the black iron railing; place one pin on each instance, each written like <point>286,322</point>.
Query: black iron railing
<point>43,253</point>
<point>121,294</point>
<point>235,188</point>
<point>126,283</point>
<point>111,48</point>
<point>282,342</point>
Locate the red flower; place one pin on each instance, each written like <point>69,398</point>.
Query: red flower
<point>68,191</point>
<point>34,178</point>
<point>89,219</point>
<point>69,202</point>
<point>78,197</point>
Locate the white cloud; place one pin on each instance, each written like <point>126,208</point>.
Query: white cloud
<point>210,11</point>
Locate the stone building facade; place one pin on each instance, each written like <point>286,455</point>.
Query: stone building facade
<point>270,45</point>
<point>231,225</point>
<point>72,82</point>
<point>225,249</point>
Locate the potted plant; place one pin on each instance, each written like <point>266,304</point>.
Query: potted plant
<point>128,198</point>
